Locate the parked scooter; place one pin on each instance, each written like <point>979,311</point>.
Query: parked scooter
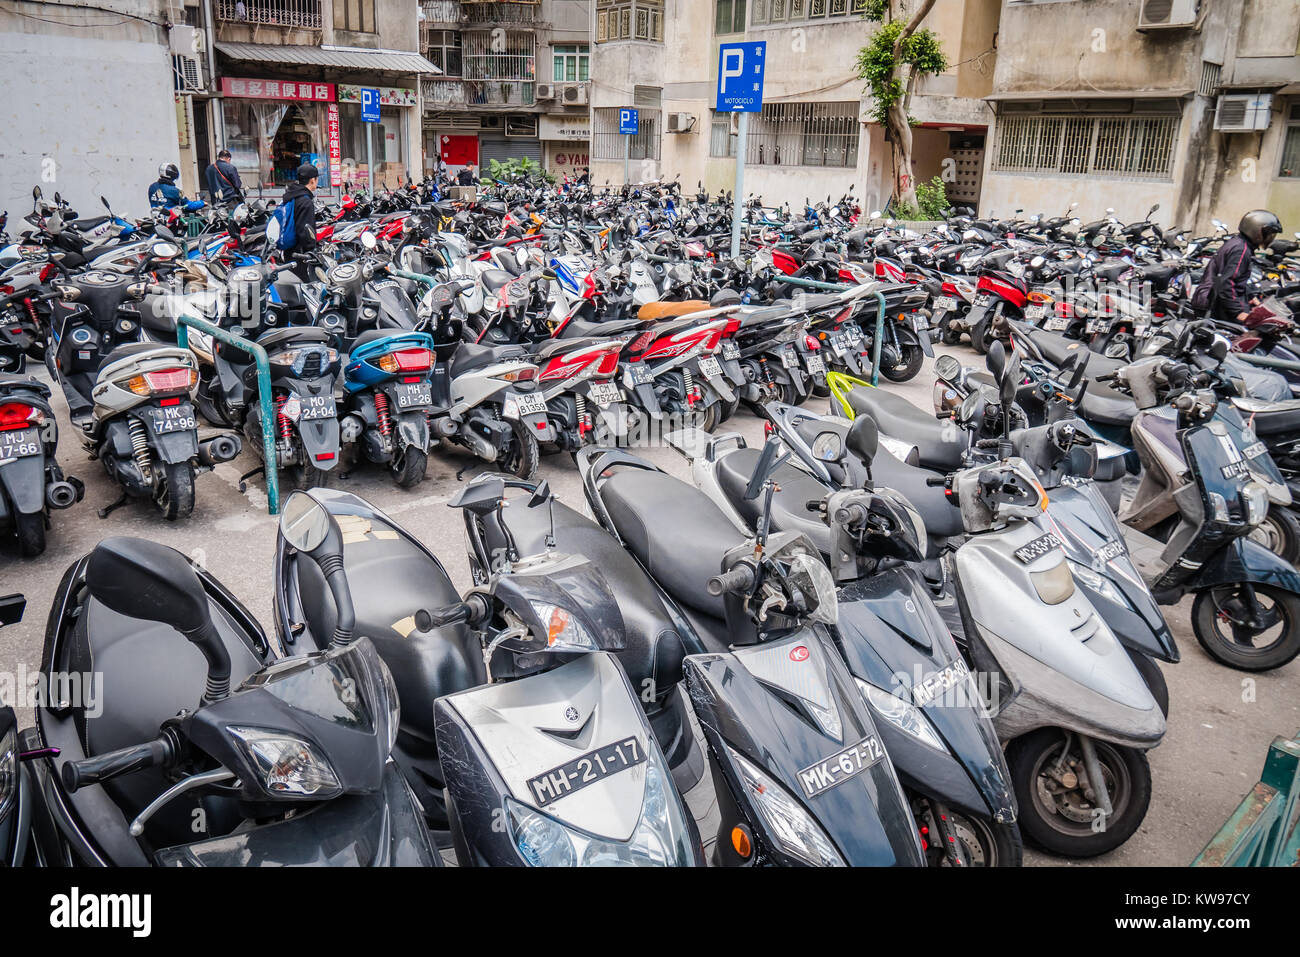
<point>389,394</point>
<point>31,482</point>
<point>219,756</point>
<point>15,780</point>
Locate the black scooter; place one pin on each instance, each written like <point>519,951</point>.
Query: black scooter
<point>31,482</point>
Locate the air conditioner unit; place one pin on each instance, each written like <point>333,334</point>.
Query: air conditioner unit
<point>680,122</point>
<point>574,94</point>
<point>1243,112</point>
<point>1167,14</point>
<point>545,91</point>
<point>188,73</point>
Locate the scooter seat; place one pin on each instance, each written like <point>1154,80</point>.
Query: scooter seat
<point>302,335</point>
<point>941,518</point>
<point>937,442</point>
<point>796,488</point>
<point>127,350</point>
<point>675,530</point>
<point>372,335</point>
<point>577,328</point>
<point>652,647</point>
<point>653,311</point>
<point>1059,350</point>
<point>494,279</point>
<point>1111,271</point>
<point>470,356</point>
<point>1106,406</point>
<point>1282,417</point>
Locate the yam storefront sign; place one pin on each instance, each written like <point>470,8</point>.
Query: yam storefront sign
<point>277,89</point>
<point>388,95</point>
<point>564,128</point>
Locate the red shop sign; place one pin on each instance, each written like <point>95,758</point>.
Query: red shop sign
<point>336,150</point>
<point>277,89</point>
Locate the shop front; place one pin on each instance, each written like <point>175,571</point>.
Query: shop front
<point>398,109</point>
<point>566,144</point>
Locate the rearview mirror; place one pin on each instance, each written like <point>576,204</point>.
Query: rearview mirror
<point>863,438</point>
<point>36,192</point>
<point>997,359</point>
<point>304,522</point>
<point>947,367</point>
<point>146,580</point>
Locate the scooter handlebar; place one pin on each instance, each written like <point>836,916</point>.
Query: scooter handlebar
<point>740,578</point>
<point>105,767</point>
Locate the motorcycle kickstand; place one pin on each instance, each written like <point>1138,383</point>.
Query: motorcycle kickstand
<point>113,506</point>
<point>243,479</point>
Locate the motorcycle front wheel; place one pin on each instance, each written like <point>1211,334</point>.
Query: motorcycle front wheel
<point>1231,632</point>
<point>908,366</point>
<point>1056,812</point>
<point>1280,533</point>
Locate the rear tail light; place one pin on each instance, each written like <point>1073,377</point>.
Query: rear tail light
<point>519,375</point>
<point>732,327</point>
<point>164,380</point>
<point>406,360</point>
<point>48,272</point>
<point>608,364</point>
<point>16,415</point>
<point>811,342</point>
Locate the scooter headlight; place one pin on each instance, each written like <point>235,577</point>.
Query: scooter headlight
<point>1254,502</point>
<point>903,715</point>
<point>788,823</point>
<point>661,838</point>
<point>288,765</point>
<point>1095,581</point>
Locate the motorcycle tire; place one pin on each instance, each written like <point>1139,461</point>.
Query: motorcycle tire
<point>950,336</point>
<point>1214,606</point>
<point>309,476</point>
<point>729,409</point>
<point>1154,678</point>
<point>174,496</point>
<point>1041,821</point>
<point>30,530</point>
<point>521,457</point>
<point>987,843</point>
<point>1280,533</point>
<point>978,332</point>
<point>907,368</point>
<point>409,468</point>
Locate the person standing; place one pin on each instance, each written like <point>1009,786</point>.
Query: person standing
<point>302,194</point>
<point>163,192</point>
<point>1223,291</point>
<point>466,176</point>
<point>224,185</point>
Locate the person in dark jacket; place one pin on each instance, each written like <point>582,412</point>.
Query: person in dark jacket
<point>163,192</point>
<point>1223,291</point>
<point>466,177</point>
<point>224,185</point>
<point>303,195</point>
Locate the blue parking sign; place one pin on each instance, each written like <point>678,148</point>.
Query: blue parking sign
<point>369,105</point>
<point>629,121</point>
<point>740,77</point>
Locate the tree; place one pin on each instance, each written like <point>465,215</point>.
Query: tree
<point>899,52</point>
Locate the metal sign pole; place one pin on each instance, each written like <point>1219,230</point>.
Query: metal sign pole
<point>737,198</point>
<point>370,157</point>
<point>627,156</point>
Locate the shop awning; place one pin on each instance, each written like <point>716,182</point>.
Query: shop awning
<point>1091,95</point>
<point>345,58</point>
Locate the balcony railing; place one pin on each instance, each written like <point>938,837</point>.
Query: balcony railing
<point>496,11</point>
<point>305,14</point>
<point>440,92</point>
<point>440,12</point>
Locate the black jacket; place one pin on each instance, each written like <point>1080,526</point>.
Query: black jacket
<point>1223,289</point>
<point>304,216</point>
<point>223,183</point>
<point>466,178</point>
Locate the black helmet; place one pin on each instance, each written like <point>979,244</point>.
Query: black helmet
<point>307,172</point>
<point>167,172</point>
<point>1259,226</point>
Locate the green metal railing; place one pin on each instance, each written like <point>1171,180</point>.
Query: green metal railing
<point>1268,362</point>
<point>269,457</point>
<point>841,287</point>
<point>1264,830</point>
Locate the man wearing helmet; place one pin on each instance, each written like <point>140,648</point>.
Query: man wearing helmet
<point>1223,289</point>
<point>164,193</point>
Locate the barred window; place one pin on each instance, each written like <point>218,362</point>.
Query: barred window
<point>785,11</point>
<point>1122,147</point>
<point>728,16</point>
<point>492,56</point>
<point>1290,166</point>
<point>803,134</point>
<point>443,51</point>
<point>607,141</point>
<point>629,20</point>
<point>722,141</point>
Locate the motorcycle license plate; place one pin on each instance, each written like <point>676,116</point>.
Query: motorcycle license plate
<point>710,366</point>
<point>1036,549</point>
<point>789,358</point>
<point>413,395</point>
<point>585,770</point>
<point>312,407</point>
<point>1141,329</point>
<point>605,393</point>
<point>1254,450</point>
<point>1035,311</point>
<point>523,404</point>
<point>816,366</point>
<point>981,301</point>
<point>1097,325</point>
<point>821,777</point>
<point>840,342</point>
<point>730,350</point>
<point>174,418</point>
<point>639,374</point>
<point>1057,324</point>
<point>946,303</point>
<point>854,332</point>
<point>19,443</point>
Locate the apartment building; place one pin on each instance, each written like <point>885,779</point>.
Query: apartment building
<point>1192,104</point>
<point>514,81</point>
<point>815,136</point>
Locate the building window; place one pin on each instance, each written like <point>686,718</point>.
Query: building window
<point>572,63</point>
<point>444,51</point>
<point>629,20</point>
<point>1291,144</point>
<point>787,11</point>
<point>1116,147</point>
<point>607,141</point>
<point>728,16</point>
<point>722,136</point>
<point>804,134</point>
<point>356,16</point>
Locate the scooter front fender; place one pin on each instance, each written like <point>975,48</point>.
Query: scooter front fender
<point>1243,560</point>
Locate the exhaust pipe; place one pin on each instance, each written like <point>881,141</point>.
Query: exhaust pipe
<point>60,494</point>
<point>220,448</point>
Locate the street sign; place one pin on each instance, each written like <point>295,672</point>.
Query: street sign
<point>740,77</point>
<point>369,105</point>
<point>629,121</point>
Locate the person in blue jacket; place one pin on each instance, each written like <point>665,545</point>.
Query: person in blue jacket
<point>224,185</point>
<point>164,193</point>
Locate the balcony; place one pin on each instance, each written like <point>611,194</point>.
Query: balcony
<point>440,13</point>
<point>268,21</point>
<point>451,93</point>
<point>522,12</point>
